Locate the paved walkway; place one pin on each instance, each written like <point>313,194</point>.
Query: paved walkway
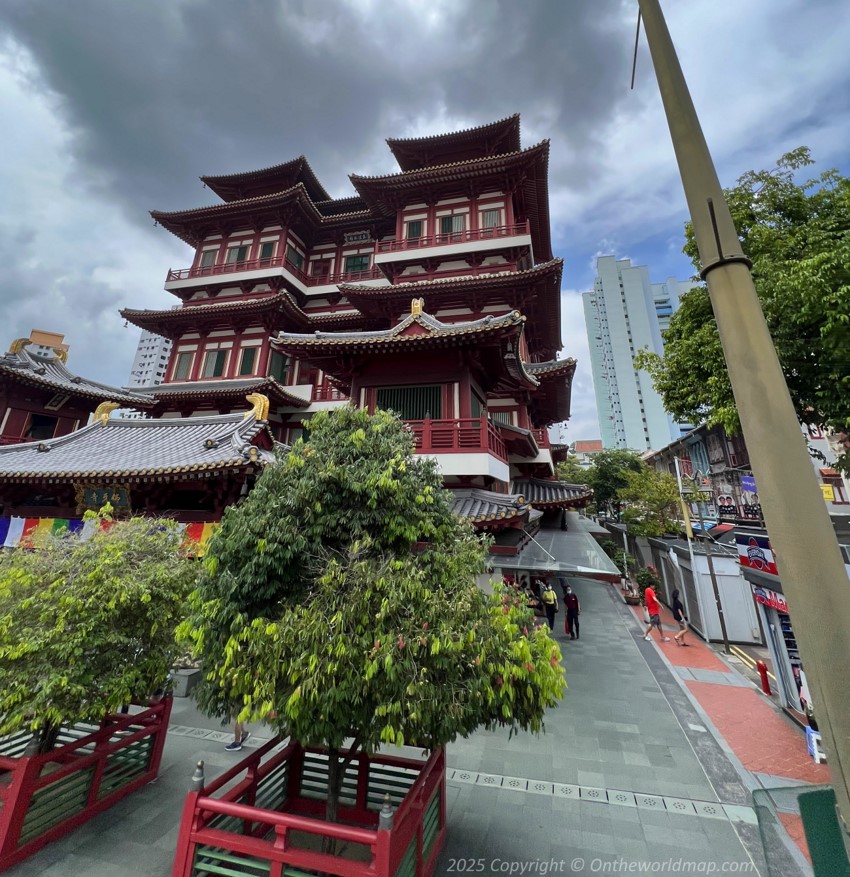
<point>629,775</point>
<point>768,745</point>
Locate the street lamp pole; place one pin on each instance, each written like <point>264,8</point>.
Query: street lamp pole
<point>813,576</point>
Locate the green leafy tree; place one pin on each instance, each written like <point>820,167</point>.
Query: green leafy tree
<point>651,501</point>
<point>86,626</point>
<point>609,476</point>
<point>572,472</point>
<point>798,238</point>
<point>647,577</point>
<point>340,605</point>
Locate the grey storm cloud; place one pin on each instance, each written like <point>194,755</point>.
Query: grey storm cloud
<point>158,93</point>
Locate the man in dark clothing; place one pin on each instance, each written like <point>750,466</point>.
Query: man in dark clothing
<point>573,610</point>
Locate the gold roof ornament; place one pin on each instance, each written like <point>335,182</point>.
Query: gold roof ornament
<point>18,345</point>
<point>103,411</point>
<point>416,306</point>
<point>260,406</point>
<point>61,355</point>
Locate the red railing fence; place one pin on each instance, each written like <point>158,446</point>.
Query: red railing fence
<point>458,436</point>
<point>44,797</point>
<point>265,816</point>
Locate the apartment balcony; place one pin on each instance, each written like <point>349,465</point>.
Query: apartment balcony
<point>260,270</point>
<point>428,246</point>
<point>462,446</point>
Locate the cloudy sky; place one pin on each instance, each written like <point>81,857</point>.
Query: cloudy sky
<point>110,109</point>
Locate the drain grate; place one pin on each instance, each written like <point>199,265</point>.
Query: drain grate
<point>617,797</point>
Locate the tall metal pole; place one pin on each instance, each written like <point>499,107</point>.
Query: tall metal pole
<point>813,576</point>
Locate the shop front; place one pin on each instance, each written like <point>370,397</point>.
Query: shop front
<point>758,567</point>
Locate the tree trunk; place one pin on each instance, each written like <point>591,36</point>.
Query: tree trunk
<point>335,774</point>
<point>47,738</point>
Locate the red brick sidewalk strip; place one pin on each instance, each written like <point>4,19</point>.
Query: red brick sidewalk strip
<point>762,739</point>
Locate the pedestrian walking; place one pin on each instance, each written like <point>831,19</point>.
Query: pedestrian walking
<point>549,599</point>
<point>654,610</point>
<point>240,735</point>
<point>572,607</point>
<point>679,616</point>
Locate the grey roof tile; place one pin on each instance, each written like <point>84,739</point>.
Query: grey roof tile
<point>51,373</point>
<point>140,447</point>
<point>539,491</point>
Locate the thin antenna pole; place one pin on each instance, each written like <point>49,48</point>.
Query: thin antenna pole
<point>634,58</point>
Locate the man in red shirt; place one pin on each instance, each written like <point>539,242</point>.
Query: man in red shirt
<point>654,611</point>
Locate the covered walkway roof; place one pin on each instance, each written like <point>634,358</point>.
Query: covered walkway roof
<point>573,551</point>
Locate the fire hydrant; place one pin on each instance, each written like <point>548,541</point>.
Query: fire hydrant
<point>765,682</point>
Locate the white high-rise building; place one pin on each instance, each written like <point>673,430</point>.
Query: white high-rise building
<point>150,361</point>
<point>624,314</point>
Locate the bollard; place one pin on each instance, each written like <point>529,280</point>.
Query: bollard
<point>765,682</point>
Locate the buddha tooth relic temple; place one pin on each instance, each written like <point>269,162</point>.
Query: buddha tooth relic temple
<point>432,291</point>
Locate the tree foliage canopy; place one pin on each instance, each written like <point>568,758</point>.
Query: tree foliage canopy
<point>322,612</point>
<point>572,472</point>
<point>651,502</point>
<point>798,238</point>
<point>86,626</point>
<point>609,475</point>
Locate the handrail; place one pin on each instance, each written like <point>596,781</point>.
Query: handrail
<point>350,833</point>
<point>454,237</point>
<point>248,762</point>
<point>226,268</point>
<point>458,435</point>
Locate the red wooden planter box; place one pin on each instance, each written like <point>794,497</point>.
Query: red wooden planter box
<point>264,816</point>
<point>43,797</point>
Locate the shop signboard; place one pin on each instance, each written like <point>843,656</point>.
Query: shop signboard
<point>754,552</point>
<point>770,598</point>
<point>828,492</point>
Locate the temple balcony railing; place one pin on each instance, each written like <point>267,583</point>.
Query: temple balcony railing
<point>455,237</point>
<point>328,393</point>
<point>541,436</point>
<point>474,435</point>
<point>259,269</point>
<point>13,439</point>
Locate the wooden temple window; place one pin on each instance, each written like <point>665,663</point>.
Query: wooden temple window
<point>414,229</point>
<point>237,254</point>
<point>491,218</point>
<point>247,361</point>
<point>214,363</point>
<point>266,252</point>
<point>412,403</point>
<point>207,259</point>
<point>293,257</point>
<point>306,375</point>
<point>356,263</point>
<point>451,227</point>
<point>501,416</point>
<point>182,366</point>
<point>280,367</point>
<point>477,406</point>
<point>41,426</point>
<point>320,267</point>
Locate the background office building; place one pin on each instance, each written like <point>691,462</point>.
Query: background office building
<point>623,314</point>
<point>150,361</point>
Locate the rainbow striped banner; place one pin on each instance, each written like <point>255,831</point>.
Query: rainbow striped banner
<point>25,532</point>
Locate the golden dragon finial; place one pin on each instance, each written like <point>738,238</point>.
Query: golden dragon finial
<point>103,411</point>
<point>260,406</point>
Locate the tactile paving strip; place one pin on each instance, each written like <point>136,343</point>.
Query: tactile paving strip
<point>617,797</point>
<point>253,742</point>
